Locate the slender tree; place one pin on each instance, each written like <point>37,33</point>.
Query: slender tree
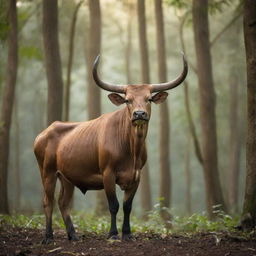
<point>93,91</point>
<point>70,60</point>
<point>188,176</point>
<point>17,157</point>
<point>143,43</point>
<point>249,209</point>
<point>128,48</point>
<point>52,60</point>
<point>234,125</point>
<point>94,47</point>
<point>7,104</point>
<point>145,191</point>
<point>191,123</point>
<point>146,200</point>
<point>164,131</point>
<point>207,106</point>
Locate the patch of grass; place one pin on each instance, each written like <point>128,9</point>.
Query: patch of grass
<point>194,223</point>
<point>91,223</point>
<point>34,221</point>
<point>201,223</point>
<point>154,223</point>
<point>88,222</point>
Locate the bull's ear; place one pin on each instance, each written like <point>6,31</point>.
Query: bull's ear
<point>116,99</point>
<point>159,97</point>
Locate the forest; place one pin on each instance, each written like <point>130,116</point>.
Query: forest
<point>197,190</point>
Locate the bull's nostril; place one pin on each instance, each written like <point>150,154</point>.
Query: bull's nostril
<point>140,115</point>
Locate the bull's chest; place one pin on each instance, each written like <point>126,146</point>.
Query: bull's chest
<point>126,179</point>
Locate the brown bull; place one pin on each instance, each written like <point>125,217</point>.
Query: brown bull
<point>100,153</point>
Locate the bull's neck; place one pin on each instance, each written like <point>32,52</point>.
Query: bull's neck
<point>136,136</point>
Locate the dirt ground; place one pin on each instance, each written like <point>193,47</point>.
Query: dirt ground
<point>22,242</point>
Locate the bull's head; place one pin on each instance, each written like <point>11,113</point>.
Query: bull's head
<point>139,97</point>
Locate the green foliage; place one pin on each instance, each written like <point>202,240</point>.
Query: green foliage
<point>88,223</point>
<point>30,52</point>
<point>193,223</point>
<point>180,4</point>
<point>4,26</point>
<point>91,223</point>
<point>23,16</point>
<point>201,223</point>
<point>35,221</point>
<point>154,224</point>
<point>217,6</point>
<point>27,10</point>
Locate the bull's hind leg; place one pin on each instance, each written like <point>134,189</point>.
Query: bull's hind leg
<point>49,183</point>
<point>65,197</point>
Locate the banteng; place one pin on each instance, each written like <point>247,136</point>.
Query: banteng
<point>100,153</point>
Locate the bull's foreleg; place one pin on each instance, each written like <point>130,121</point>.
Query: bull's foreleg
<point>65,197</point>
<point>110,189</point>
<point>127,207</point>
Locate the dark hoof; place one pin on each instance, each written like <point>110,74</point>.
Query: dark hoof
<point>47,240</point>
<point>73,237</point>
<point>127,237</point>
<point>113,237</point>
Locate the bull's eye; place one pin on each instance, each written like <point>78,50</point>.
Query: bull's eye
<point>127,101</point>
<point>150,100</point>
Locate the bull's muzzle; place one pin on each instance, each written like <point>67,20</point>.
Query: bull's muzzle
<point>140,117</point>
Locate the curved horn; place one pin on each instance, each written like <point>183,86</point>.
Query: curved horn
<point>172,84</point>
<point>104,85</point>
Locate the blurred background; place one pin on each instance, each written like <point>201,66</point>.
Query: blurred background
<point>139,42</point>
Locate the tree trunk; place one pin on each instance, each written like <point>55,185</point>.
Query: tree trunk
<point>207,106</point>
<point>7,104</point>
<point>128,49</point>
<point>249,209</point>
<point>188,176</point>
<point>144,59</point>
<point>93,91</point>
<point>52,60</point>
<point>70,61</point>
<point>94,47</point>
<point>146,197</point>
<point>164,131</point>
<point>235,143</point>
<point>235,128</point>
<point>191,124</point>
<point>17,157</point>
<point>146,200</point>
